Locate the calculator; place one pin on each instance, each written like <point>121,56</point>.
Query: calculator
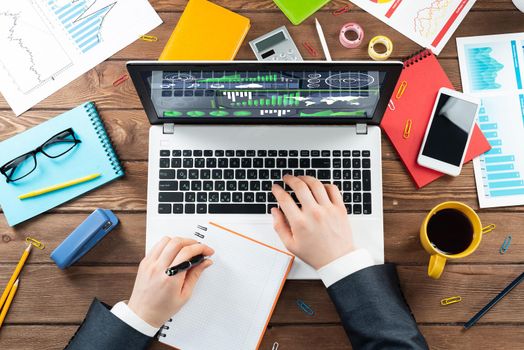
<point>276,46</point>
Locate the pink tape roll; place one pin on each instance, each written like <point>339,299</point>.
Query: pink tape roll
<point>351,27</point>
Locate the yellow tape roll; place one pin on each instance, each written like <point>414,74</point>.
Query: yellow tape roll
<point>384,40</point>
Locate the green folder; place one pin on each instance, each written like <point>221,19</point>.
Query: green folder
<point>298,10</point>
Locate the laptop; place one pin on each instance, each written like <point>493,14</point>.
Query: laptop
<point>224,132</point>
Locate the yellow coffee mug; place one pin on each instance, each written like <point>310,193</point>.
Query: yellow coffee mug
<point>437,261</point>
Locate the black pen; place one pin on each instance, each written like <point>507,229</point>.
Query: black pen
<point>495,300</point>
<point>186,265</point>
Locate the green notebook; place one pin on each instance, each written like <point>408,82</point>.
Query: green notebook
<point>298,10</point>
<point>94,154</point>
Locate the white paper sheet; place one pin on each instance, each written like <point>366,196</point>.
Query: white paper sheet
<point>491,67</point>
<point>429,23</point>
<point>45,44</point>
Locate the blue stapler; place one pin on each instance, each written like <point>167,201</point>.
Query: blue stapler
<point>84,237</point>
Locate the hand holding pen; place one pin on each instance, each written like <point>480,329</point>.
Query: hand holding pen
<point>156,296</point>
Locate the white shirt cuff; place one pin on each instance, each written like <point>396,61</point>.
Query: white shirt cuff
<point>123,312</point>
<point>344,266</point>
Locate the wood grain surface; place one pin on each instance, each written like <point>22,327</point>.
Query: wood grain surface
<point>51,303</point>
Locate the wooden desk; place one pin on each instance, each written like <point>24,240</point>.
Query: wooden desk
<point>50,304</point>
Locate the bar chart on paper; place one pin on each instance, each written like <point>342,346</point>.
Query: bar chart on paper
<point>501,170</point>
<point>82,19</point>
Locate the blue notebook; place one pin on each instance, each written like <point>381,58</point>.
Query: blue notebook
<point>95,154</point>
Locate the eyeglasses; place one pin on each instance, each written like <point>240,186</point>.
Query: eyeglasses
<point>25,164</point>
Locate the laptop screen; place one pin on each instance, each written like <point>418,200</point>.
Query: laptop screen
<point>266,94</point>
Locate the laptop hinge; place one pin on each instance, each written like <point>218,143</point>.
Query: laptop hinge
<point>362,129</point>
<point>168,128</point>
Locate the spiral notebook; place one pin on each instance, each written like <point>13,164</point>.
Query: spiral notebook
<point>234,298</point>
<point>94,154</point>
<point>421,79</point>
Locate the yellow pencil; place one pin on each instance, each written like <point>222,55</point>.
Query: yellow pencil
<point>8,302</point>
<point>59,186</point>
<point>14,277</point>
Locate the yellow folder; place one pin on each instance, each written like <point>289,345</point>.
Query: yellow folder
<point>206,31</point>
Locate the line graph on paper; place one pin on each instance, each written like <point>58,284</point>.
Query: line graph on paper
<point>83,20</point>
<point>33,55</point>
<point>428,20</point>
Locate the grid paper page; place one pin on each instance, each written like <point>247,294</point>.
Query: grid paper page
<point>234,297</point>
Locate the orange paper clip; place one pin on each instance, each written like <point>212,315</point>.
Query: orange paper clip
<point>401,89</point>
<point>120,80</point>
<point>149,38</point>
<point>407,128</point>
<point>310,49</point>
<point>342,10</point>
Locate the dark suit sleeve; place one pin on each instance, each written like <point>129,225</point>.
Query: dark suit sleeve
<point>103,330</point>
<point>374,312</point>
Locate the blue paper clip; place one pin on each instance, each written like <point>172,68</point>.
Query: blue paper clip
<point>305,307</point>
<point>505,245</point>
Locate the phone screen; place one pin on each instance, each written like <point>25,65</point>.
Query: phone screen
<point>449,130</point>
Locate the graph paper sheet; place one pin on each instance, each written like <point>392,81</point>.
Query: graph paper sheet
<point>491,67</point>
<point>45,44</point>
<point>429,23</point>
<point>234,298</point>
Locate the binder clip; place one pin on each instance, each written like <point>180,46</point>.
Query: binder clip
<point>84,237</point>
<point>275,346</point>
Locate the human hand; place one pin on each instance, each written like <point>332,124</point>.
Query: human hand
<point>319,232</point>
<point>156,296</point>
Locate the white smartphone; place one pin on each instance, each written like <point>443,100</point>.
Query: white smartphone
<point>449,131</point>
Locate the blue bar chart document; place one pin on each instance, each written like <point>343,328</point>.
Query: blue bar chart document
<point>45,44</point>
<point>492,68</point>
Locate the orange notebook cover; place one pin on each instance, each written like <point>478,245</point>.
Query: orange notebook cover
<point>206,32</point>
<point>424,77</point>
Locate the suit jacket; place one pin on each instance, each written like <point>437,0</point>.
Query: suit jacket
<point>374,312</point>
<point>370,303</point>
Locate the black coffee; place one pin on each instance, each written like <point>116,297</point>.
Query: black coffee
<point>450,231</point>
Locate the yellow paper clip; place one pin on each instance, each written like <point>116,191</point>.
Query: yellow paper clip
<point>275,346</point>
<point>488,228</point>
<point>401,89</point>
<point>451,300</point>
<point>149,38</point>
<point>407,129</point>
<point>35,243</point>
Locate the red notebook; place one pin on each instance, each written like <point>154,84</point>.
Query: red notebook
<point>424,77</point>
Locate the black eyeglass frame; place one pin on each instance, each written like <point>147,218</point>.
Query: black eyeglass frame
<point>6,167</point>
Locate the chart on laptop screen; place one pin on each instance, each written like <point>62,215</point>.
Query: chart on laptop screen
<point>266,94</point>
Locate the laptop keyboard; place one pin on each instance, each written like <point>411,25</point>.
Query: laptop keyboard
<point>240,181</point>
